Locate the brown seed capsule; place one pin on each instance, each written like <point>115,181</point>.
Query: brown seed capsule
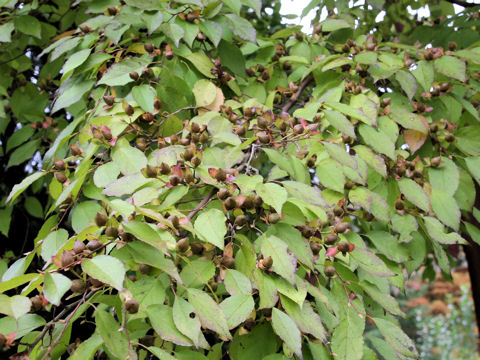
<point>263,137</point>
<point>330,239</point>
<point>197,247</point>
<point>149,47</point>
<point>84,28</point>
<point>349,185</point>
<point>111,231</point>
<point>221,175</point>
<point>228,262</point>
<point>273,218</point>
<point>248,203</point>
<point>144,268</point>
<point>165,169</point>
<point>329,271</point>
<point>230,203</point>
<point>338,210</point>
<point>240,220</point>
<point>129,110</point>
<point>78,246</point>
<point>340,228</point>
<point>134,75</point>
<point>308,231</point>
<point>399,204</point>
<point>132,306</point>
<point>96,283</point>
<point>146,72</point>
<point>436,161</point>
<point>112,10</point>
<point>194,127</point>
<point>148,117</point>
<point>311,161</point>
<point>157,104</point>
<point>267,262</point>
<point>169,54</point>
<point>262,123</point>
<point>75,150</point>
<point>94,244</point>
<point>174,220</point>
<point>449,138</point>
<point>107,134</point>
<point>183,244</point>
<point>417,174</point>
<point>343,247</point>
<point>298,129</point>
<point>141,144</point>
<point>61,177</point>
<point>257,201</point>
<point>67,258</point>
<point>452,46</point>
<point>223,193</point>
<point>151,171</point>
<point>204,138</point>
<point>188,155</point>
<point>401,170</point>
<point>59,164</point>
<point>37,303</point>
<point>109,99</point>
<point>78,286</point>
<point>101,219</point>
<point>174,180</point>
<point>196,161</point>
<point>315,247</point>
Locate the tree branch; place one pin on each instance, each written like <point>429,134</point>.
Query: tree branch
<point>302,86</point>
<point>202,204</point>
<point>462,3</point>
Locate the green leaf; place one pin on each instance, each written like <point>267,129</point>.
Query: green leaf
<point>55,286</point>
<point>373,160</point>
<point>75,60</point>
<point>353,112</point>
<point>161,318</point>
<point>473,165</point>
<point>347,340</point>
<point>23,153</point>
<point>116,341</point>
<point>210,224</point>
<point>445,178</point>
<point>33,207</point>
<point>304,192</point>
<point>284,262</point>
<point>88,348</point>
<point>19,137</point>
<point>465,194</point>
<point>203,64</point>
<point>388,245</point>
<point>144,95</point>
<point>71,92</point>
<point>397,339</point>
<point>153,236</point>
<point>286,329</point>
<point>378,140</point>
<point>446,208</point>
<point>105,174</point>
<point>107,269</point>
<point>370,262</point>
<point>205,92</point>
<point>83,215</point>
<point>188,323</point>
<point>339,154</point>
<point>272,194</point>
<point>237,283</point>
<point>330,175</point>
<point>118,74</point>
<point>237,308</point>
<point>173,31</point>
<point>211,315</point>
<point>197,273</point>
<point>451,66</point>
<point>384,299</point>
<point>241,27</point>
<point>340,122</point>
<point>212,30</point>
<point>437,232</point>
<point>6,31</point>
<point>307,320</point>
<point>129,160</point>
<point>424,74</point>
<point>53,243</point>
<point>414,193</point>
<point>147,254</point>
<point>15,306</point>
<point>153,21</point>
<point>407,82</point>
<point>29,25</point>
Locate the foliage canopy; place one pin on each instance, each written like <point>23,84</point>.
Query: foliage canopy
<point>213,183</point>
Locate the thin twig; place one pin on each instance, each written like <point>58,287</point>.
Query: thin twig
<point>302,86</point>
<point>462,3</point>
<point>202,204</point>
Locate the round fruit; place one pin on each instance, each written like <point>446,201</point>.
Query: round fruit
<point>273,218</point>
<point>67,258</point>
<point>78,286</point>
<point>183,244</point>
<point>343,247</point>
<point>330,271</point>
<point>267,262</point>
<point>78,246</point>
<point>341,227</point>
<point>330,239</point>
<point>111,231</point>
<point>132,306</point>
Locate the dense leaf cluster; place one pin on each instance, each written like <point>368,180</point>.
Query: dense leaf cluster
<point>219,191</point>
